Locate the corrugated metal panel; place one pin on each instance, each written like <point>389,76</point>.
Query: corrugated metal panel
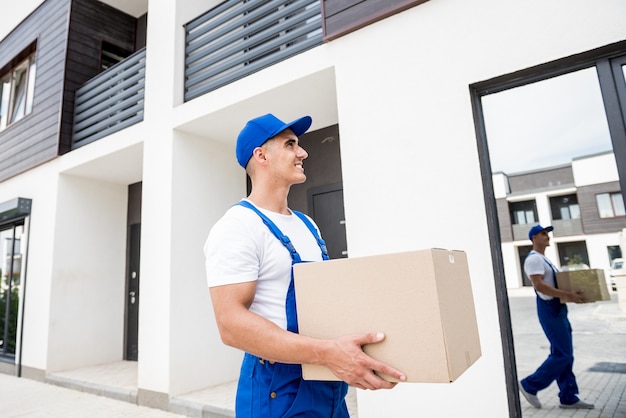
<point>239,37</point>
<point>111,101</point>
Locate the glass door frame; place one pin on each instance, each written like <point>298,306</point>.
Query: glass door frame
<point>608,61</point>
<point>9,272</point>
<point>13,214</point>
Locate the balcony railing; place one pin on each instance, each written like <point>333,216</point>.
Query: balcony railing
<point>111,101</point>
<point>562,228</point>
<point>240,37</point>
<point>566,227</point>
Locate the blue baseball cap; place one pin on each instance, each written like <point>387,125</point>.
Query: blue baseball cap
<point>537,229</point>
<point>262,128</point>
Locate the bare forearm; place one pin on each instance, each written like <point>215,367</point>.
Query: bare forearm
<point>543,287</point>
<point>256,335</point>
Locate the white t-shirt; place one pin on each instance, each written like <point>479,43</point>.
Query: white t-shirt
<point>240,248</point>
<point>537,263</point>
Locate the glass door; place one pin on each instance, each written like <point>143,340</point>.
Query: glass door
<point>10,288</point>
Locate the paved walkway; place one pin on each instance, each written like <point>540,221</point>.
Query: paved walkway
<point>110,390</point>
<point>29,398</point>
<point>599,333</point>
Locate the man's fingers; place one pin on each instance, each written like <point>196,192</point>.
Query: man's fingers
<point>373,338</point>
<point>370,338</point>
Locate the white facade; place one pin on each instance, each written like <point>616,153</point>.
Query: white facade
<point>398,89</point>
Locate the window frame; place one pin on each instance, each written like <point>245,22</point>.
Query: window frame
<point>11,92</point>
<point>613,198</point>
<point>558,206</point>
<point>525,209</point>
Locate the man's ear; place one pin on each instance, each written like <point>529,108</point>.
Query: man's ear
<point>259,155</point>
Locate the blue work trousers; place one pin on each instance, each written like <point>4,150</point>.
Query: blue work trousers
<point>559,364</point>
<point>272,390</point>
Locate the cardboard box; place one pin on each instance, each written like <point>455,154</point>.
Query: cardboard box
<point>590,281</point>
<point>421,300</point>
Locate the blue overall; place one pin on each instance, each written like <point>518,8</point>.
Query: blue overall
<point>271,390</point>
<point>558,366</point>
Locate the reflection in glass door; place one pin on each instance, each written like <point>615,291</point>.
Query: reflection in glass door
<point>546,123</point>
<point>535,121</point>
<point>550,143</point>
<point>10,288</point>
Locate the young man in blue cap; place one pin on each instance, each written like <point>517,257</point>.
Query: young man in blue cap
<point>249,256</point>
<point>553,319</point>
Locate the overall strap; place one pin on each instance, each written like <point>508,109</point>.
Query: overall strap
<point>290,302</point>
<point>313,230</point>
<point>284,239</point>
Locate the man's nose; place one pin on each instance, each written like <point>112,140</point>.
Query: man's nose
<point>302,153</point>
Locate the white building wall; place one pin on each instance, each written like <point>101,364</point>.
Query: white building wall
<point>88,274</point>
<point>595,170</point>
<point>155,321</point>
<point>512,265</point>
<point>407,133</point>
<point>203,170</point>
<point>500,185</point>
<point>39,185</point>
<point>597,249</point>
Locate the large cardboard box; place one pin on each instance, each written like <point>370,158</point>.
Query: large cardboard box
<point>421,300</point>
<point>590,281</point>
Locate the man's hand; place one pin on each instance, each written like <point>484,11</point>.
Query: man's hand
<point>348,362</point>
<point>576,296</point>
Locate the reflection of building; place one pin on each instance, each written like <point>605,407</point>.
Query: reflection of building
<point>583,202</point>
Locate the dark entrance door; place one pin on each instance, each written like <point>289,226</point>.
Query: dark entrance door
<point>132,298</point>
<point>326,203</point>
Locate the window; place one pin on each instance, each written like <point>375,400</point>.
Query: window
<point>614,252</point>
<point>565,207</point>
<point>17,88</point>
<point>110,55</point>
<point>573,253</point>
<point>523,213</point>
<point>610,205</point>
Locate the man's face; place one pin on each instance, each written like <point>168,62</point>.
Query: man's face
<point>542,238</point>
<point>285,156</point>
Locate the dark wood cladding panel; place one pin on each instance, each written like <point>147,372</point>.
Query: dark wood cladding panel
<point>344,16</point>
<point>504,220</point>
<point>91,23</point>
<point>541,179</point>
<point>592,223</point>
<point>34,139</point>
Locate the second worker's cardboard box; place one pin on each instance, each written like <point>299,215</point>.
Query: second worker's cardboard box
<point>590,281</point>
<point>421,300</point>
